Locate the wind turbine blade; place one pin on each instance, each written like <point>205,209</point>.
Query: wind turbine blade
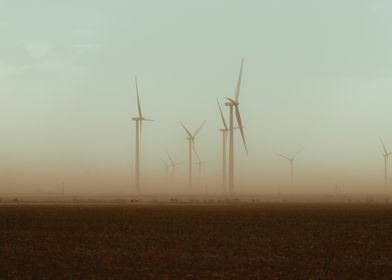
<point>238,116</point>
<point>197,155</point>
<point>194,150</point>
<point>165,163</point>
<point>238,88</point>
<point>300,150</point>
<point>283,156</point>
<point>138,100</point>
<point>197,131</point>
<point>148,120</point>
<point>186,130</point>
<point>383,145</point>
<point>221,113</point>
<point>231,100</point>
<point>170,158</point>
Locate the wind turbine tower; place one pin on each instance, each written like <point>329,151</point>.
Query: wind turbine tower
<point>191,147</point>
<point>139,124</point>
<point>233,109</point>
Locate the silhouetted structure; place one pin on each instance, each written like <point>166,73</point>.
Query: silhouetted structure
<point>191,147</point>
<point>291,160</point>
<point>139,124</point>
<point>386,160</point>
<point>233,107</point>
<point>224,131</point>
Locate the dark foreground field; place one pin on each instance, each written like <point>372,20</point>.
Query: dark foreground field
<point>196,242</point>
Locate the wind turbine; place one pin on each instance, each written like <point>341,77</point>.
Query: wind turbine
<point>167,168</point>
<point>139,124</point>
<point>224,132</point>
<point>191,143</point>
<point>200,164</point>
<point>386,159</point>
<point>233,106</point>
<point>291,160</point>
<point>173,165</point>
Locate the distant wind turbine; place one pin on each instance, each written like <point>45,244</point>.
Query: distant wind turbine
<point>386,159</point>
<point>224,131</point>
<point>139,124</point>
<point>173,165</point>
<point>291,160</point>
<point>167,169</point>
<point>233,106</point>
<point>191,143</point>
<point>200,164</point>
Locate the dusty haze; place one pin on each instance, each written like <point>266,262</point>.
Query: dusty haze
<point>317,74</point>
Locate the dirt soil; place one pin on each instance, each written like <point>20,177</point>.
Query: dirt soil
<point>245,241</point>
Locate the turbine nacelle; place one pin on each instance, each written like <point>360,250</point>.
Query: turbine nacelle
<point>232,102</point>
<point>142,119</point>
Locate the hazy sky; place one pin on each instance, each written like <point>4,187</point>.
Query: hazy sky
<point>317,74</point>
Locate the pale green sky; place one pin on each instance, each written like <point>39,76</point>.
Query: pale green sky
<point>317,74</point>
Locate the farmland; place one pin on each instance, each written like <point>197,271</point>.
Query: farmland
<point>228,241</point>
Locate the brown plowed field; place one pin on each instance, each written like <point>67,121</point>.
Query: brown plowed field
<point>243,241</point>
